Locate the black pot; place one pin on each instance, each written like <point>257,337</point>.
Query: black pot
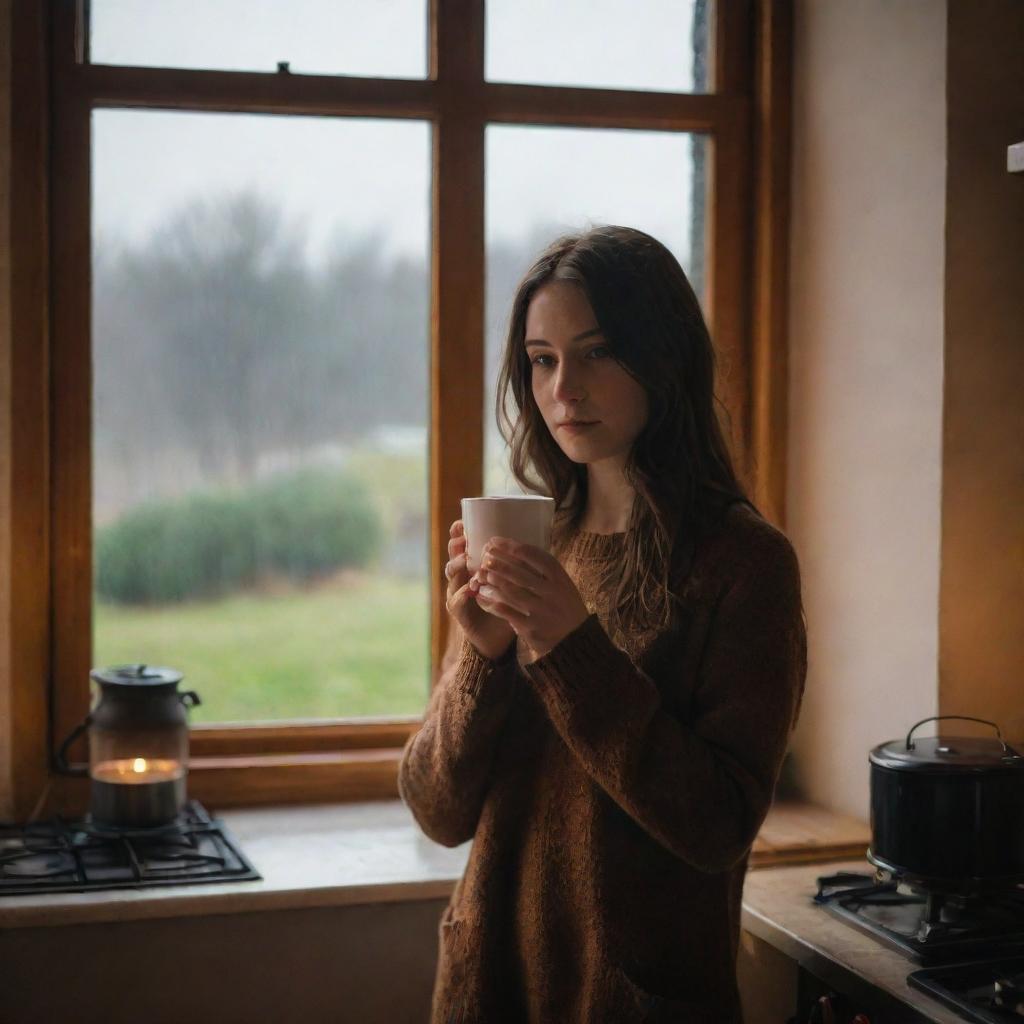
<point>948,813</point>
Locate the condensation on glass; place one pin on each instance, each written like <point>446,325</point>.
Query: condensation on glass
<point>260,409</point>
<point>656,45</point>
<point>543,182</point>
<point>343,37</point>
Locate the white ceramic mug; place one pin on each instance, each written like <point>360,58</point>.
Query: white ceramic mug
<point>523,517</point>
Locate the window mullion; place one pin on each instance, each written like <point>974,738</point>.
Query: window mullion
<point>252,92</point>
<point>456,40</point>
<point>607,108</point>
<point>457,284</point>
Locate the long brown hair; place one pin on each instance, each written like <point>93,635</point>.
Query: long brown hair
<point>679,466</point>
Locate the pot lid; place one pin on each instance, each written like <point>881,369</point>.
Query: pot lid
<point>136,676</point>
<point>946,754</point>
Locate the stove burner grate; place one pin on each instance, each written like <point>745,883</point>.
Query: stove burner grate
<point>989,991</point>
<point>78,856</point>
<point>927,926</point>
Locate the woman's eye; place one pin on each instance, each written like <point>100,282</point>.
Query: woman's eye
<point>602,349</point>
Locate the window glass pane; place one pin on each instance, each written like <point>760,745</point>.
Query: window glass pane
<point>260,403</point>
<point>384,39</point>
<point>543,182</point>
<point>660,45</point>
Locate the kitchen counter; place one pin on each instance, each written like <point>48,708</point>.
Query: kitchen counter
<point>320,860</point>
<point>373,852</point>
<point>778,909</point>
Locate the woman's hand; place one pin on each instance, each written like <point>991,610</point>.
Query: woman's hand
<point>489,634</point>
<point>529,589</point>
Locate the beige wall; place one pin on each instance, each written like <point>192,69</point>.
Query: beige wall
<point>866,344</point>
<point>981,664</point>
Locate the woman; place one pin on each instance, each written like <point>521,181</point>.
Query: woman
<point>611,718</point>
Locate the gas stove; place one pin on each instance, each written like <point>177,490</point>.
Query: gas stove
<point>55,855</point>
<point>989,990</point>
<point>970,943</point>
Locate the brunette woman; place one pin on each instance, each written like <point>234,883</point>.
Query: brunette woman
<point>611,717</point>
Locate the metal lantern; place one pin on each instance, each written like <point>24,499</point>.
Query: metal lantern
<point>138,746</point>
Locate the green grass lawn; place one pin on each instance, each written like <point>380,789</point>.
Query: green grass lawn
<point>356,646</point>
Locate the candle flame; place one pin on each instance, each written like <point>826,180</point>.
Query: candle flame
<point>139,764</point>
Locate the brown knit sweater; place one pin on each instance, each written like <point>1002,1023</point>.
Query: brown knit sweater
<point>612,789</point>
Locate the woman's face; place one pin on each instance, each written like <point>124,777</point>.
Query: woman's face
<point>575,377</point>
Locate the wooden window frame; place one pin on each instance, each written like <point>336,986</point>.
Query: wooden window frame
<point>45,348</point>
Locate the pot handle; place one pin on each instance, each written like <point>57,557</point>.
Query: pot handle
<point>963,718</point>
<point>61,757</point>
<point>190,698</point>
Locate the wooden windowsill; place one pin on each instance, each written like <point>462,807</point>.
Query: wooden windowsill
<point>371,852</point>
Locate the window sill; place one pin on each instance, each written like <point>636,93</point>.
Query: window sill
<point>269,780</point>
<point>372,852</point>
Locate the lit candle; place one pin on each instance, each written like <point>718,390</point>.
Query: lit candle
<point>137,792</point>
<point>135,771</point>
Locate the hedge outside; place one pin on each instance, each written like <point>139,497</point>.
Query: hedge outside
<point>301,525</point>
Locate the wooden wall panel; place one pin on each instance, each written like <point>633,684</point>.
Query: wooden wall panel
<point>769,363</point>
<point>24,496</point>
<point>981,590</point>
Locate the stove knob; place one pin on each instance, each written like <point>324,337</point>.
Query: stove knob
<point>823,1012</point>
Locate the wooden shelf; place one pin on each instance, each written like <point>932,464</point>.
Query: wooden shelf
<point>799,833</point>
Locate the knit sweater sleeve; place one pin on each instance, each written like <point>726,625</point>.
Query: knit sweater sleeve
<point>444,773</point>
<point>702,786</point>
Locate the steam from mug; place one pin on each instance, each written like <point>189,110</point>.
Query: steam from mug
<point>526,518</point>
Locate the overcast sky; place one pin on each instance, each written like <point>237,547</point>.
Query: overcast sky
<point>344,177</point>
